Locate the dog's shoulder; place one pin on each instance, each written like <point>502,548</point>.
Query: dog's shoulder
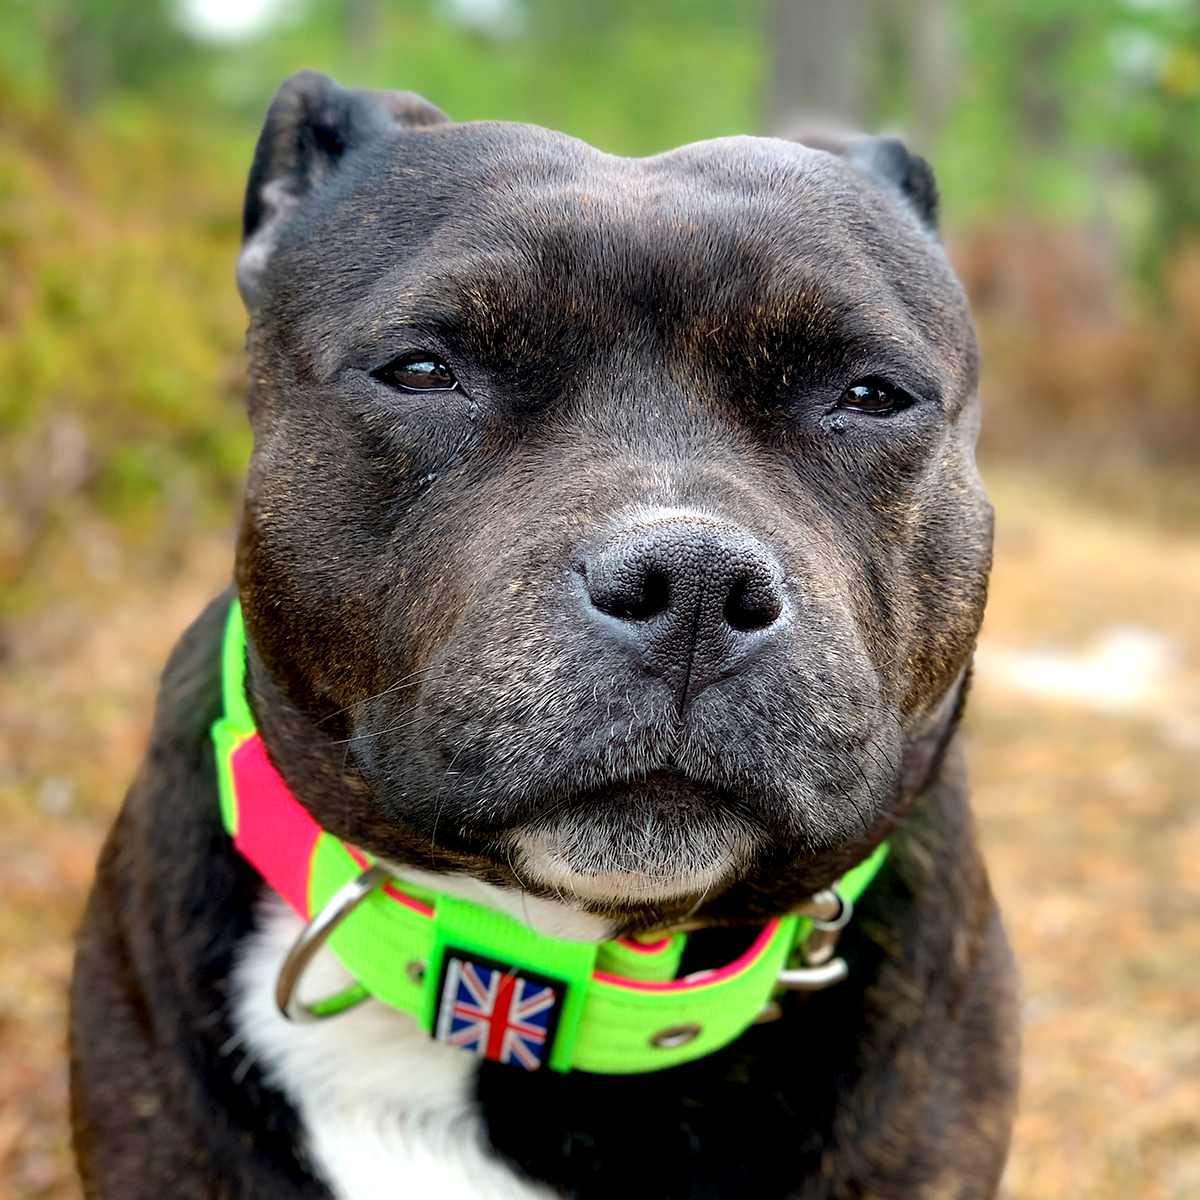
<point>152,1045</point>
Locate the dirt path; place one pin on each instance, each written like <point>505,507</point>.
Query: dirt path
<point>1085,750</point>
<point>1085,753</point>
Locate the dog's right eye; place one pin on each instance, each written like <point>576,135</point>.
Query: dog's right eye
<point>417,371</point>
<point>874,396</point>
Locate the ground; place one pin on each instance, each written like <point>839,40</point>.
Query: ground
<point>1084,744</point>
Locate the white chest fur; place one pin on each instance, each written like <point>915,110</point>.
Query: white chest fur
<point>386,1110</point>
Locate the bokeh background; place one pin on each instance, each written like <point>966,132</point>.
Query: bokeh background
<point>1066,135</point>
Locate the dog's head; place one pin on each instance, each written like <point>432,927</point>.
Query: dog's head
<point>612,529</point>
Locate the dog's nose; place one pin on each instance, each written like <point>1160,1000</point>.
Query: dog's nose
<point>688,595</point>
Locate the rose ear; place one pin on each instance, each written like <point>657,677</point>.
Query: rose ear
<point>890,163</point>
<point>311,126</point>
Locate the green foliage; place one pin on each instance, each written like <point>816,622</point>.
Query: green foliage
<point>83,50</point>
<point>1080,111</point>
<point>1072,109</point>
<point>630,78</point>
<point>120,375</point>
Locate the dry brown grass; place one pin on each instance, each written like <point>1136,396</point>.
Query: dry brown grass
<point>1089,819</point>
<point>76,693</point>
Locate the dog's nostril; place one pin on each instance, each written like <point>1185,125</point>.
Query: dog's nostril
<point>752,604</point>
<point>633,600</point>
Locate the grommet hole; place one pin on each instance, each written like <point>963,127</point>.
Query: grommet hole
<point>675,1036</point>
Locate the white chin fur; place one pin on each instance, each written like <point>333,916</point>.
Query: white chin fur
<point>550,917</point>
<point>643,868</point>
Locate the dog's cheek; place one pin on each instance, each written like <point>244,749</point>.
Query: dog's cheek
<point>330,526</point>
<point>948,571</point>
<point>810,744</point>
<point>412,440</point>
<point>912,539</point>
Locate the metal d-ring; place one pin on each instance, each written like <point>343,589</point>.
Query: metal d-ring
<point>813,979</point>
<point>829,914</point>
<point>841,919</point>
<point>822,941</point>
<point>314,935</point>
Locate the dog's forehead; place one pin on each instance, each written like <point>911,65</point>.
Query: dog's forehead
<point>494,187</point>
<point>503,156</point>
<point>538,171</point>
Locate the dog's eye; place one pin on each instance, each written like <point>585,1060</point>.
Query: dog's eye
<point>418,371</point>
<point>874,396</point>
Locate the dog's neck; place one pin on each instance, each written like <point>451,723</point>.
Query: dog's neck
<point>616,1007</point>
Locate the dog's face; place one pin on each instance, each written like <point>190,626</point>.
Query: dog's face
<point>613,528</point>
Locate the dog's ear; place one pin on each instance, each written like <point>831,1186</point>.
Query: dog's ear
<point>890,163</point>
<point>311,126</point>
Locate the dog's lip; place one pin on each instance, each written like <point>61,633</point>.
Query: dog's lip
<point>664,783</point>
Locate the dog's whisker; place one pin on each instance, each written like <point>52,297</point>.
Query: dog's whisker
<point>441,797</point>
<point>418,676</point>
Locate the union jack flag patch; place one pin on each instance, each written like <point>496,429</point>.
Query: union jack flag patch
<point>488,1008</point>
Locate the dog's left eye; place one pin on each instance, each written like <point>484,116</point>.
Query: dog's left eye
<point>874,396</point>
<point>417,371</point>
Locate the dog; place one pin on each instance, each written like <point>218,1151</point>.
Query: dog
<point>612,560</point>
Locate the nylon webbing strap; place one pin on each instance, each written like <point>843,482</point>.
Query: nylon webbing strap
<point>616,1000</point>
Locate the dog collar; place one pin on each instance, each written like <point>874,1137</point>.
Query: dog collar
<point>475,978</point>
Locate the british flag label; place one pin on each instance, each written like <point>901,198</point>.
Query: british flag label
<point>496,1011</point>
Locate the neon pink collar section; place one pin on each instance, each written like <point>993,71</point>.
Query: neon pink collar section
<point>746,959</point>
<point>275,834</point>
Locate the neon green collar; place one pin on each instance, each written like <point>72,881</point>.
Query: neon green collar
<point>478,979</point>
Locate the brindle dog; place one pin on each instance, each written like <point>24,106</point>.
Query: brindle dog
<point>613,538</point>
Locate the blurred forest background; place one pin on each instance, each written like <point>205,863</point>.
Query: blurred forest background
<point>1066,137</point>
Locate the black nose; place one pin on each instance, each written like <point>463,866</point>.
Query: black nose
<point>687,595</point>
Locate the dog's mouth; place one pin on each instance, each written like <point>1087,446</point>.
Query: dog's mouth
<point>664,837</point>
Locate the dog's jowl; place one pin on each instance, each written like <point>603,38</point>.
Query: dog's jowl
<point>564,801</point>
